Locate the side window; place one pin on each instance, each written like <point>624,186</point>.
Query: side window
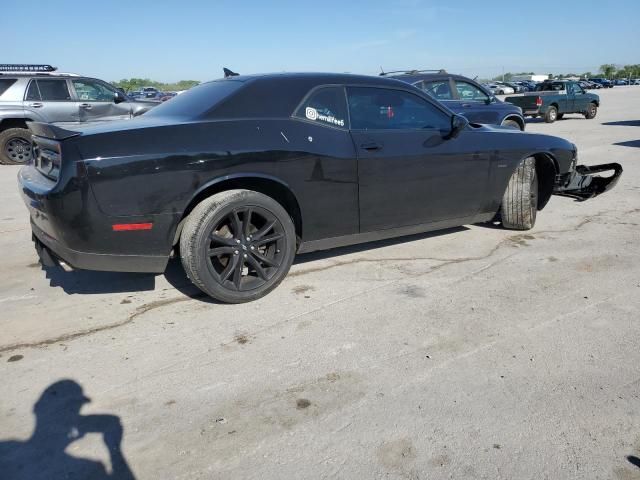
<point>5,83</point>
<point>92,91</point>
<point>469,92</point>
<point>577,89</point>
<point>440,90</point>
<point>325,106</point>
<point>32,92</point>
<point>53,90</point>
<point>373,108</point>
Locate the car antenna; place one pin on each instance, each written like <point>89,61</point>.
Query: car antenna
<point>382,74</point>
<point>228,73</point>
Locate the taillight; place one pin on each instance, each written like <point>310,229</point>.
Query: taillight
<point>47,157</point>
<point>539,102</point>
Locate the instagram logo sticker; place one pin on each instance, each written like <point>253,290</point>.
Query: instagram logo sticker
<point>311,113</point>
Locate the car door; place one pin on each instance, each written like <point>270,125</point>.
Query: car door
<point>579,99</point>
<point>475,104</point>
<point>96,101</point>
<point>52,100</point>
<point>408,173</point>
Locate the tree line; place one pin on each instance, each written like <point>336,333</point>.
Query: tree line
<point>608,70</point>
<point>134,84</point>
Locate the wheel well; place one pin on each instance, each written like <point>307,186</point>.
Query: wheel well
<point>546,170</point>
<point>8,123</point>
<point>517,119</point>
<point>554,105</point>
<point>268,187</point>
<point>596,103</point>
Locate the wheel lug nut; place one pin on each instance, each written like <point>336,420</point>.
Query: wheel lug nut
<point>237,240</point>
<point>235,252</point>
<point>252,247</point>
<point>245,255</point>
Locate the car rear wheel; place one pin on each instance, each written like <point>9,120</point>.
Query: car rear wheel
<point>520,200</point>
<point>237,246</point>
<point>15,146</point>
<point>592,111</point>
<point>551,115</point>
<point>511,124</point>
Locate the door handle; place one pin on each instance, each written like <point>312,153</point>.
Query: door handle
<point>467,105</point>
<point>35,105</point>
<point>371,146</point>
<point>86,106</point>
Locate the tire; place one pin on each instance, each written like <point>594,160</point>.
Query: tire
<point>551,114</point>
<point>255,243</point>
<point>560,116</point>
<point>591,112</point>
<point>520,200</point>
<point>15,146</point>
<point>511,124</point>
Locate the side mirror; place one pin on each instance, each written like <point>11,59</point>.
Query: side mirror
<point>118,97</point>
<point>458,124</point>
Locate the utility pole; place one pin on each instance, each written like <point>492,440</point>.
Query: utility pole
<point>503,74</point>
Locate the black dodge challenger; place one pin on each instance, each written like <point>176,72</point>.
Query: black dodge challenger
<point>240,174</point>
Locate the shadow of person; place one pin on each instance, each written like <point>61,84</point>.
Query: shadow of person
<point>59,424</point>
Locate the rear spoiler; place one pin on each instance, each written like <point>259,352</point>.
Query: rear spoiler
<point>47,130</point>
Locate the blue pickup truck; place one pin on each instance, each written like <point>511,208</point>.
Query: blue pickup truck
<point>463,96</point>
<point>555,98</point>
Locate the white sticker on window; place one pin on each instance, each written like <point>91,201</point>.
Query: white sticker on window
<point>312,114</point>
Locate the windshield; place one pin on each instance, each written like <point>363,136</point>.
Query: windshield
<point>198,100</point>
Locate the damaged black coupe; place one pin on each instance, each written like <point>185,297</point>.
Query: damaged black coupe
<point>240,174</point>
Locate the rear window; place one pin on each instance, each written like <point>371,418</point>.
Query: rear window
<point>5,83</point>
<point>198,100</point>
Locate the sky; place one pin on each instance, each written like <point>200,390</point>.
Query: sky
<point>194,39</point>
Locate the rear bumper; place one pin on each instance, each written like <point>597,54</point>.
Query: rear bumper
<point>584,183</point>
<point>68,226</point>
<point>51,251</point>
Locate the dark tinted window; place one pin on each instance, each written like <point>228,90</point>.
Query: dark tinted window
<point>197,100</point>
<point>326,106</point>
<point>439,89</point>
<point>33,93</point>
<point>53,90</point>
<point>5,83</point>
<point>385,109</point>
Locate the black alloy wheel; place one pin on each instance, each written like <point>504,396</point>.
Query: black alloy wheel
<point>246,248</point>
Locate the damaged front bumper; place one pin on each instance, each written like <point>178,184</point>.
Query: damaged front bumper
<point>583,183</point>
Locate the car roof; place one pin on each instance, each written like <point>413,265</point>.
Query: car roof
<point>417,77</point>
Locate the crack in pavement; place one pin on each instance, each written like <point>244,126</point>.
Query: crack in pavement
<point>83,333</point>
<point>445,262</point>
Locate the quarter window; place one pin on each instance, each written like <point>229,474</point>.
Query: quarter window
<point>326,106</point>
<point>384,109</point>
<point>469,92</point>
<point>53,90</point>
<point>92,91</point>
<point>440,90</point>
<point>33,93</point>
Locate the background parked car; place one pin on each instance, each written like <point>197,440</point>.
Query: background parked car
<point>45,95</point>
<point>603,82</point>
<point>464,96</point>
<point>500,89</point>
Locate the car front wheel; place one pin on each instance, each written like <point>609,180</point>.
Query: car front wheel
<point>238,245</point>
<point>591,112</point>
<point>520,200</point>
